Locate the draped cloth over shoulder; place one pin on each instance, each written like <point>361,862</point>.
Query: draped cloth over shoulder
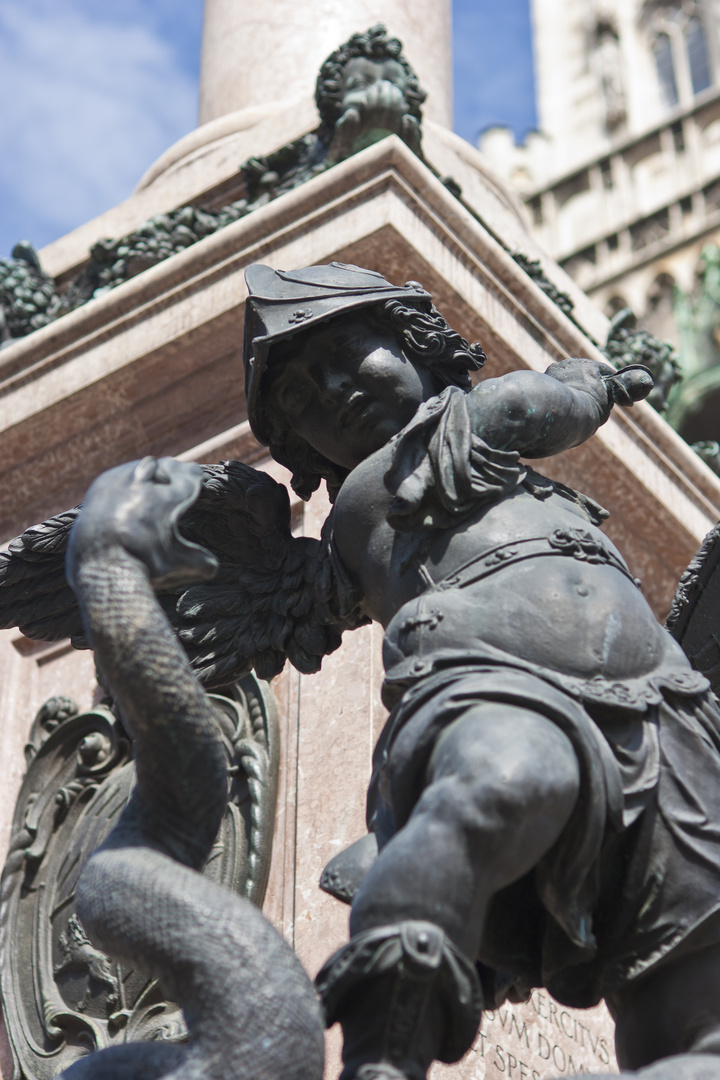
<point>441,470</point>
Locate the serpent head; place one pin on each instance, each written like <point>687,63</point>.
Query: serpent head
<point>137,506</point>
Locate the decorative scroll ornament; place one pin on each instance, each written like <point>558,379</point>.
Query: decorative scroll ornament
<point>534,270</point>
<point>63,998</point>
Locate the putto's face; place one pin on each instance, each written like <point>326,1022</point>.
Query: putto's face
<point>361,73</point>
<point>348,390</point>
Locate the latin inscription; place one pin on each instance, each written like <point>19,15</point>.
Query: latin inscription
<point>536,1041</point>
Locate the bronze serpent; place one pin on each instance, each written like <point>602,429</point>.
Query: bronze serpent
<point>249,1006</point>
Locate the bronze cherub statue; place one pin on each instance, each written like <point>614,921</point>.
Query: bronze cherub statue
<point>545,797</point>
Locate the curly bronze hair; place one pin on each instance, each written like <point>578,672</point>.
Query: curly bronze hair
<point>375,45</point>
<point>425,339</point>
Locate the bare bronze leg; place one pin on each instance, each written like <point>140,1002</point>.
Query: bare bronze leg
<point>502,784</point>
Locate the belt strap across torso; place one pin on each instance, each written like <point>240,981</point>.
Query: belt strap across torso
<point>573,543</point>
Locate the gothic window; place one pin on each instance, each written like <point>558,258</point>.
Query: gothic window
<point>697,54</point>
<point>659,314</point>
<point>608,62</point>
<point>614,305</point>
<point>666,69</point>
<point>661,292</point>
<point>679,39</point>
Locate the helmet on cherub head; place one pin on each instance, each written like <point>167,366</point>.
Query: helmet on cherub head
<point>282,304</point>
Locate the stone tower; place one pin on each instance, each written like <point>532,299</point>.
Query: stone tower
<point>257,57</point>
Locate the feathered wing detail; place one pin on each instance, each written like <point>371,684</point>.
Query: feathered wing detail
<point>34,594</point>
<point>275,597</point>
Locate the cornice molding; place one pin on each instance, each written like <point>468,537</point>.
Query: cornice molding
<point>155,365</point>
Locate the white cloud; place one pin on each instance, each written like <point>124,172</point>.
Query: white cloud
<point>93,91</point>
<point>89,102</point>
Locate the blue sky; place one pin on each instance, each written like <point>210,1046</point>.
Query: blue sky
<point>93,91</point>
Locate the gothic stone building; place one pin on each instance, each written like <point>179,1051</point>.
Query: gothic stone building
<point>622,181</point>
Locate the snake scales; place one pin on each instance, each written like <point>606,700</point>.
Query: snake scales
<point>249,1006</point>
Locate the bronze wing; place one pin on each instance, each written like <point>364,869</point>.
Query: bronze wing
<point>275,596</point>
<point>34,594</point>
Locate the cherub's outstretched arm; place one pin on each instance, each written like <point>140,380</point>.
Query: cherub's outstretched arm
<point>539,415</point>
<point>462,449</point>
